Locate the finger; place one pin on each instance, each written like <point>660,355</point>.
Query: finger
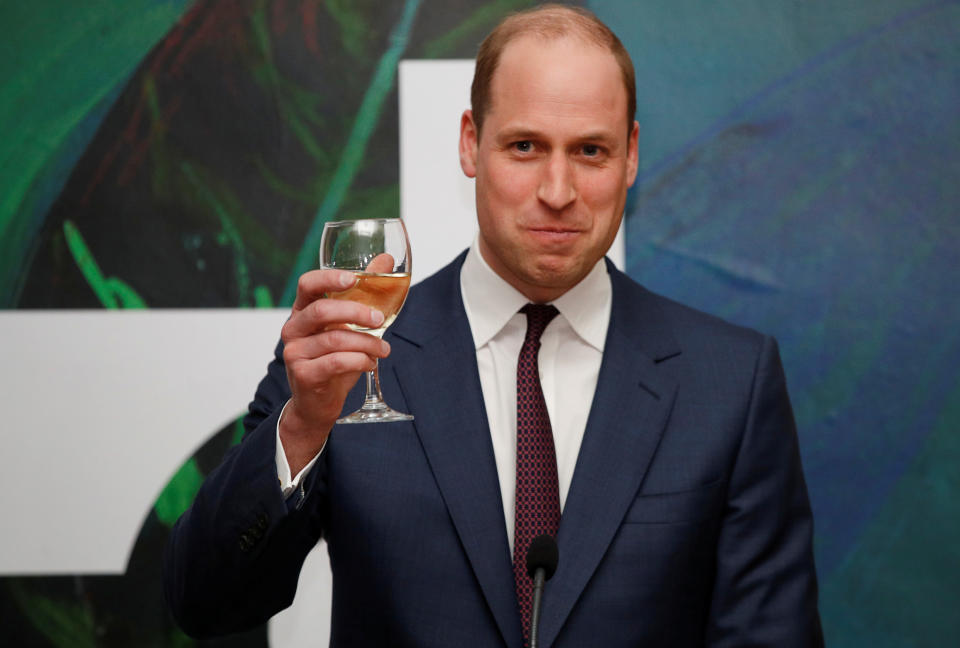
<point>323,314</point>
<point>335,341</point>
<point>382,263</point>
<point>312,285</point>
<point>333,366</point>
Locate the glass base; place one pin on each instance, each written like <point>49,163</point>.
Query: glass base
<point>375,413</point>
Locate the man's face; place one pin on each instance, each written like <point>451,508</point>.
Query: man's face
<point>552,165</point>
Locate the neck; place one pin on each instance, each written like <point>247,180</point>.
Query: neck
<point>535,293</point>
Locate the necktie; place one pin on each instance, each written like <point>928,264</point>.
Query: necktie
<point>538,499</point>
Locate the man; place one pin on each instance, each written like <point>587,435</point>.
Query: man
<point>673,482</point>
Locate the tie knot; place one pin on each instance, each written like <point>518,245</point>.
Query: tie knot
<point>538,316</point>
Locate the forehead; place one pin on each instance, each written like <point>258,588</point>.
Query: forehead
<point>560,79</point>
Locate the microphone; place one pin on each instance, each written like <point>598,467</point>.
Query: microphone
<point>542,558</point>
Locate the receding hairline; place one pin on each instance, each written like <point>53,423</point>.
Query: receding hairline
<point>548,23</point>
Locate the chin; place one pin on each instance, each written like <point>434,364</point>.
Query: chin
<point>555,276</point>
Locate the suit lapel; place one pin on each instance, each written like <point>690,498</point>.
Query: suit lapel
<point>631,405</point>
<point>438,376</point>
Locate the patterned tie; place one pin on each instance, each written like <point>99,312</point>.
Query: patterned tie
<point>538,499</point>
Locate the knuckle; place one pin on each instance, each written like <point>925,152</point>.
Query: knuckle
<point>298,373</point>
<point>318,307</point>
<point>332,340</point>
<point>289,357</point>
<point>303,284</point>
<point>332,337</point>
<point>336,363</point>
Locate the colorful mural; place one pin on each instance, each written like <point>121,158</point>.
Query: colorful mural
<point>800,174</point>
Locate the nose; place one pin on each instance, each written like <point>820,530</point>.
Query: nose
<point>557,185</point>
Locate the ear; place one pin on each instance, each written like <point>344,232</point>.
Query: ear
<point>633,153</point>
<point>469,141</point>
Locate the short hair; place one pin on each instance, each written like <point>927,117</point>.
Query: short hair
<point>549,21</point>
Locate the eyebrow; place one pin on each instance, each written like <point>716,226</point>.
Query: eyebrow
<point>518,133</point>
<point>600,136</point>
<point>523,133</point>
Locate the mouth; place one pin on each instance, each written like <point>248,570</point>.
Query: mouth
<point>554,234</point>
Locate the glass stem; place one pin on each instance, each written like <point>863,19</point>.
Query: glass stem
<point>374,399</point>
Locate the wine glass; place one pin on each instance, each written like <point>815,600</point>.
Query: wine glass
<point>377,251</point>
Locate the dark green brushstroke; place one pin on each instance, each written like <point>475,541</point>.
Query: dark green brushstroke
<point>238,431</point>
<point>61,60</point>
<point>240,269</point>
<point>126,296</point>
<point>474,26</point>
<point>886,593</point>
<point>88,265</point>
<point>262,297</point>
<point>352,156</point>
<point>296,105</point>
<point>310,195</point>
<point>374,202</point>
<point>180,640</point>
<point>64,625</point>
<point>112,292</point>
<point>355,33</point>
<point>179,492</point>
<point>256,239</point>
<point>371,202</point>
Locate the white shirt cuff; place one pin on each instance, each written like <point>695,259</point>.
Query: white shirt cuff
<point>288,485</point>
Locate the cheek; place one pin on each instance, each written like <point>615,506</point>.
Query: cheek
<point>510,184</point>
<point>605,198</point>
<point>601,189</point>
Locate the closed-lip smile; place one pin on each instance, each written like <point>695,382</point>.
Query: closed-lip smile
<point>553,229</point>
<point>553,234</point>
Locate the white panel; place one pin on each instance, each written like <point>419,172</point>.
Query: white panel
<point>306,623</point>
<point>436,199</point>
<point>100,408</point>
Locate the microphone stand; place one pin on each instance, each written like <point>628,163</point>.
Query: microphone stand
<point>538,580</point>
<point>542,558</point>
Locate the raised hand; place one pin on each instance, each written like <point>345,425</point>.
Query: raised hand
<point>324,359</point>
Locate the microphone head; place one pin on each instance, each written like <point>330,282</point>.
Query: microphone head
<point>543,554</point>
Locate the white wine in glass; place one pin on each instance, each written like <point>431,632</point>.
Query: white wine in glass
<point>377,251</point>
<point>381,290</point>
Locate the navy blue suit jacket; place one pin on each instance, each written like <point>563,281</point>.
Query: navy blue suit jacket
<point>687,521</point>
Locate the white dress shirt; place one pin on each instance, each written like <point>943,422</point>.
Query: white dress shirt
<point>571,351</point>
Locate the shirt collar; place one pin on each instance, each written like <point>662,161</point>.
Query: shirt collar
<point>490,301</point>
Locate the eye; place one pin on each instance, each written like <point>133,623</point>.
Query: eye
<point>591,150</point>
<point>523,146</point>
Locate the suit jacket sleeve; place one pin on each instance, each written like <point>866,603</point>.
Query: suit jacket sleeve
<point>765,592</point>
<point>234,557</point>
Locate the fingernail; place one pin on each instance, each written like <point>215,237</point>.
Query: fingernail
<point>347,279</point>
<point>385,346</point>
<point>376,317</point>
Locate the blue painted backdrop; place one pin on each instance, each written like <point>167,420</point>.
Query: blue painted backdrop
<point>800,174</point>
